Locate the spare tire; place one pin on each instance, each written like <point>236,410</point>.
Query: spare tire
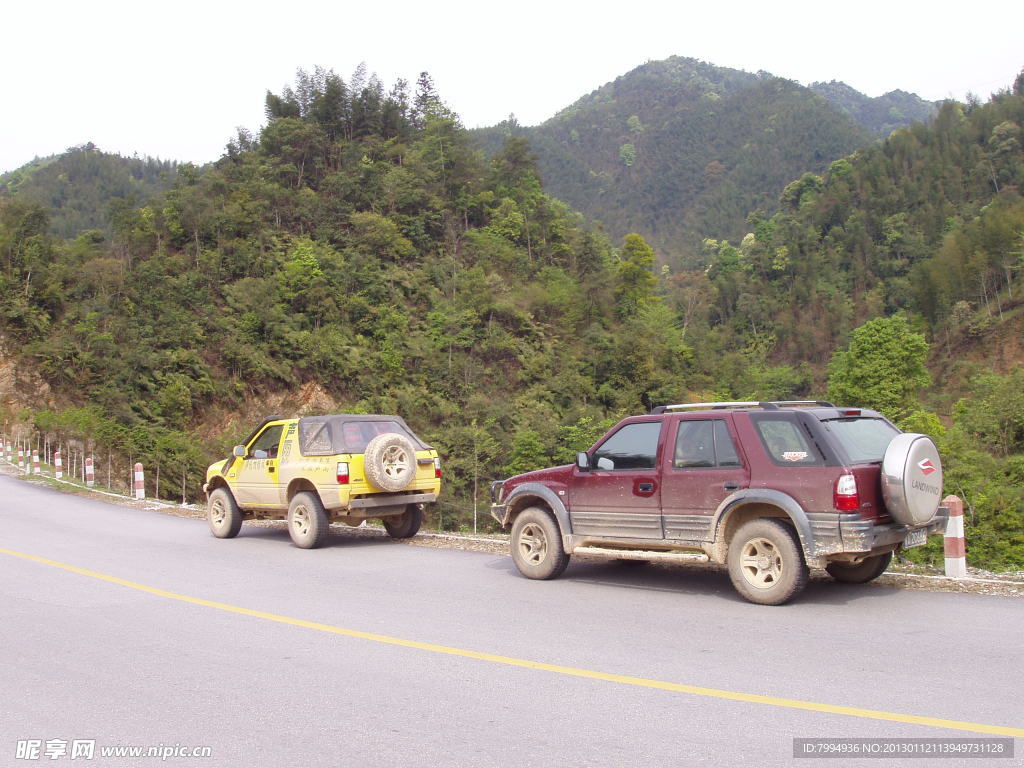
<point>390,462</point>
<point>912,479</point>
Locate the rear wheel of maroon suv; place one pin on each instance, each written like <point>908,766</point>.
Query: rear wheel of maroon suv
<point>866,570</point>
<point>765,562</point>
<point>537,545</point>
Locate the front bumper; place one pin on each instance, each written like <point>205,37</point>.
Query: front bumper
<point>500,513</point>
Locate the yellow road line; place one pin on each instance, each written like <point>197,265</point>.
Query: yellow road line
<point>869,714</point>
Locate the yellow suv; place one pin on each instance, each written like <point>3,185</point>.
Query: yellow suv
<point>320,469</point>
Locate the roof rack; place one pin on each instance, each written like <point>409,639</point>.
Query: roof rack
<point>768,405</point>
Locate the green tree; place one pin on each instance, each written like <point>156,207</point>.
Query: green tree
<point>882,368</point>
<point>994,411</point>
<point>636,280</point>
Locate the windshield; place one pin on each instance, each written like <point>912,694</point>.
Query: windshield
<point>864,440</point>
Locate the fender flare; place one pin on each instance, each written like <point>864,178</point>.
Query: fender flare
<point>783,501</point>
<point>549,497</point>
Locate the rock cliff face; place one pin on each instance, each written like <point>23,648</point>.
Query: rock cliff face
<point>20,387</point>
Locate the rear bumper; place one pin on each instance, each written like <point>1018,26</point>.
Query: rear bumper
<point>392,500</point>
<point>859,535</point>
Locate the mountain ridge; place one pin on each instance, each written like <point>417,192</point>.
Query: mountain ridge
<point>678,146</point>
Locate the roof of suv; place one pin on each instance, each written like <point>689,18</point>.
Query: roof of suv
<point>821,409</point>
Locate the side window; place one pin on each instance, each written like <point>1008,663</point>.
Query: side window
<point>635,446</point>
<point>785,442</point>
<point>695,445</point>
<point>724,446</point>
<point>704,443</point>
<point>265,446</point>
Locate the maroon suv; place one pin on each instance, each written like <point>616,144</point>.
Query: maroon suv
<point>770,489</point>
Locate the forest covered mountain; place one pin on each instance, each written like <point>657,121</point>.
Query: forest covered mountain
<point>361,254</point>
<point>82,188</point>
<point>678,149</point>
<point>881,114</point>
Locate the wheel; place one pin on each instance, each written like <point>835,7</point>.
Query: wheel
<point>223,514</point>
<point>860,573</point>
<point>307,520</point>
<point>390,462</point>
<point>405,525</point>
<point>537,545</point>
<point>766,563</point>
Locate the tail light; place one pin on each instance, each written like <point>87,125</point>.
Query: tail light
<point>342,473</point>
<point>437,468</point>
<point>845,497</point>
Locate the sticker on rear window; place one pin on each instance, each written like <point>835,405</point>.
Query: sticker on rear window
<point>794,455</point>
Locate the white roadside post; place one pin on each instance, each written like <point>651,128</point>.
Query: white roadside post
<point>35,463</point>
<point>90,475</point>
<point>140,481</point>
<point>955,543</point>
<point>58,465</point>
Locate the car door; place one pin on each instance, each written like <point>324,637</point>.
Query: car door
<point>619,495</point>
<point>257,484</point>
<point>702,467</point>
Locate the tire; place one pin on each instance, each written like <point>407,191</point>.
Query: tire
<point>405,525</point>
<point>912,479</point>
<point>766,563</point>
<point>390,462</point>
<point>860,573</point>
<point>537,545</point>
<point>223,514</point>
<point>307,520</point>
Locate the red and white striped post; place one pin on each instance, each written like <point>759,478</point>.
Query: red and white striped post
<point>35,463</point>
<point>58,465</point>
<point>140,481</point>
<point>955,542</point>
<point>21,458</point>
<point>90,475</point>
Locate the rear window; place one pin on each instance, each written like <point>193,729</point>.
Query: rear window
<point>325,436</point>
<point>785,441</point>
<point>863,440</point>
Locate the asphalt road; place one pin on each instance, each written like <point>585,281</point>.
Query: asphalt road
<point>87,658</point>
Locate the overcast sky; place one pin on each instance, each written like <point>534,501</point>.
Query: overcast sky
<point>175,80</point>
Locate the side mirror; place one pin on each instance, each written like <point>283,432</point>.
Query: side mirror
<point>238,451</point>
<point>583,461</point>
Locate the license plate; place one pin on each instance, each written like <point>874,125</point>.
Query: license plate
<point>915,538</point>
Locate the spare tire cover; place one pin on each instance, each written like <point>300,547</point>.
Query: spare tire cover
<point>912,479</point>
<point>390,462</point>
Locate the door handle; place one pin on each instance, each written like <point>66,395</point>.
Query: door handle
<point>646,487</point>
<point>732,486</point>
<point>270,468</point>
